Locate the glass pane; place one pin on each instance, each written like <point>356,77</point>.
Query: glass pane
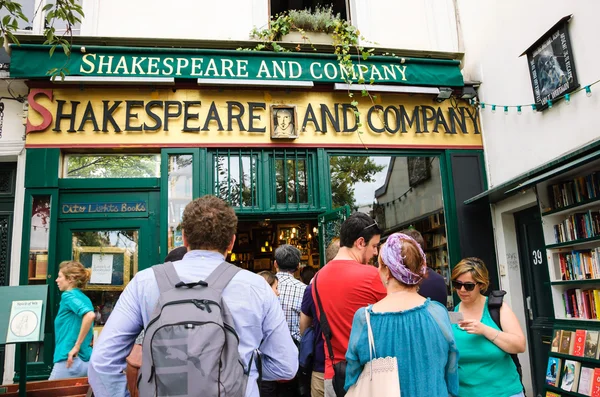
<point>236,179</point>
<point>291,181</point>
<point>112,166</point>
<point>112,256</point>
<point>39,237</point>
<point>400,193</point>
<point>180,193</point>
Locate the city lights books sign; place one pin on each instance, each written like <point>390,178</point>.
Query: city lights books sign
<point>551,65</point>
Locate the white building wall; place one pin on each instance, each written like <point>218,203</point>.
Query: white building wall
<point>427,25</point>
<point>12,150</point>
<point>495,34</point>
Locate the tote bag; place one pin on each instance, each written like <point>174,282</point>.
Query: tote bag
<point>379,377</point>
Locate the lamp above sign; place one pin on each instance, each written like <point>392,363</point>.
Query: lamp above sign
<point>551,65</point>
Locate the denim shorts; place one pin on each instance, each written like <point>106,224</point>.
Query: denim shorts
<point>519,395</point>
<point>78,369</point>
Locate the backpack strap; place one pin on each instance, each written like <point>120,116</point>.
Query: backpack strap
<point>166,276</point>
<point>495,300</point>
<point>221,276</point>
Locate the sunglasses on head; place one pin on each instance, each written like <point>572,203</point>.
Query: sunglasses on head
<point>458,285</point>
<point>369,226</point>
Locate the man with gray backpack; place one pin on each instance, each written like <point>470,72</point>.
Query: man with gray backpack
<point>203,318</point>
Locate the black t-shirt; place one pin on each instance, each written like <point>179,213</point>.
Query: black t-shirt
<point>434,287</point>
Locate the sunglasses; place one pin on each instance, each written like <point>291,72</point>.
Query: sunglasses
<point>371,225</point>
<point>468,286</point>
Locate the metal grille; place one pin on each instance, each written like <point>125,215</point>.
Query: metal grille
<point>4,248</point>
<point>236,177</point>
<point>292,178</point>
<point>329,226</point>
<point>6,181</point>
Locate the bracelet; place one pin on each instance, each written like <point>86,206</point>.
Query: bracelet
<point>497,333</point>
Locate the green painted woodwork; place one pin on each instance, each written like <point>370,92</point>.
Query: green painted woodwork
<point>42,168</point>
<point>122,184</point>
<point>33,61</point>
<point>329,228</point>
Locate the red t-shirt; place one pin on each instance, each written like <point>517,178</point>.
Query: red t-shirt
<point>344,287</point>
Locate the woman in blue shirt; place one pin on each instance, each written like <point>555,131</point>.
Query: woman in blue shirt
<point>407,326</point>
<point>485,366</point>
<point>73,323</point>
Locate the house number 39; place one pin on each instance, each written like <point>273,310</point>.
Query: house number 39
<point>537,257</point>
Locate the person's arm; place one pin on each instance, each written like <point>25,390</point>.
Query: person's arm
<point>305,315</point>
<point>440,314</point>
<point>510,339</point>
<point>353,365</point>
<point>279,352</point>
<point>305,322</point>
<point>105,370</point>
<point>86,324</point>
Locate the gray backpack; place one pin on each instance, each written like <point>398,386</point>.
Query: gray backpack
<point>190,347</point>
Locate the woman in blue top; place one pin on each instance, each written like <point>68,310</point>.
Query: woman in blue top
<point>407,326</point>
<point>73,323</point>
<point>485,367</point>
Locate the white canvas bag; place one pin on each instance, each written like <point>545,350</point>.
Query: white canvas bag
<point>379,377</point>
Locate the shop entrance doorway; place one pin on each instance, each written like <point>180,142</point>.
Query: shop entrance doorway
<point>536,291</point>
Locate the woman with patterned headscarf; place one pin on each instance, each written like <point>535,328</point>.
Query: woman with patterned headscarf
<point>414,330</point>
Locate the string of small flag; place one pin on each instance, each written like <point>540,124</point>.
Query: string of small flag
<point>534,107</point>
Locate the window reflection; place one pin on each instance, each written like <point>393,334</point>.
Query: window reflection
<point>291,181</point>
<point>400,193</point>
<point>236,179</point>
<point>112,166</point>
<point>180,193</point>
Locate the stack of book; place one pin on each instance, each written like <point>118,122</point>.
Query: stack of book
<point>569,374</point>
<point>582,303</point>
<point>580,265</point>
<point>577,190</point>
<point>580,225</point>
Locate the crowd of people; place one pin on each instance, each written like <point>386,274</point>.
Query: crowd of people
<point>350,328</point>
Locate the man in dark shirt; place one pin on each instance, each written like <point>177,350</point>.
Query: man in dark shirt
<point>433,286</point>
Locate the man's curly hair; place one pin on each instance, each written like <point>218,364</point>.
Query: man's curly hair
<point>209,223</point>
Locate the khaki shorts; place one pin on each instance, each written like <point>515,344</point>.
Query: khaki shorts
<point>317,386</point>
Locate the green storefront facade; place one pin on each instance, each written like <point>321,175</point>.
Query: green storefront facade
<point>110,168</point>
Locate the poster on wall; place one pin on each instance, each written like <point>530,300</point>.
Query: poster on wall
<point>551,65</point>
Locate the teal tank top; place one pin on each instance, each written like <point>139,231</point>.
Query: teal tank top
<point>484,370</point>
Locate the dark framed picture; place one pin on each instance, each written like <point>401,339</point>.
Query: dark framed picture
<point>419,170</point>
<point>284,122</point>
<point>551,65</point>
<point>243,240</point>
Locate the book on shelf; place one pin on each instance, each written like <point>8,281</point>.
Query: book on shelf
<point>591,344</point>
<point>578,226</point>
<point>570,375</point>
<point>579,343</point>
<point>565,342</point>
<point>596,383</point>
<point>553,371</point>
<point>580,264</point>
<point>552,394</point>
<point>556,340</point>
<point>581,303</point>
<point>574,191</point>
<point>585,381</point>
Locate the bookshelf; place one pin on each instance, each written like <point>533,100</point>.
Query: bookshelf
<point>569,204</point>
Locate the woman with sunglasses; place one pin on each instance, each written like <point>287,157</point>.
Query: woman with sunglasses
<point>407,326</point>
<point>485,368</point>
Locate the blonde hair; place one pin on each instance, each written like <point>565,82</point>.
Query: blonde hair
<point>332,249</point>
<point>478,271</point>
<point>74,271</point>
<point>270,277</point>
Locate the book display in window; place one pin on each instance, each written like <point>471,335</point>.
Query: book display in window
<point>570,208</point>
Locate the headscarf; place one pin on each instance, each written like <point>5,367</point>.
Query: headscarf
<point>392,257</point>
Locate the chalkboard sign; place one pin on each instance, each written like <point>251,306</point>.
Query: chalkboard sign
<point>419,170</point>
<point>110,267</point>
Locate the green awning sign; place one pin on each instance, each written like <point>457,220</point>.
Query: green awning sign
<point>34,61</point>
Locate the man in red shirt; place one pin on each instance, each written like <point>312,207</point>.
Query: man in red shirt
<point>347,284</point>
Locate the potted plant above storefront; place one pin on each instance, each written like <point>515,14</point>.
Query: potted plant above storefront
<point>312,27</point>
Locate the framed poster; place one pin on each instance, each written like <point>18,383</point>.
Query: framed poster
<point>110,267</point>
<point>551,65</point>
<point>419,170</point>
<point>284,122</point>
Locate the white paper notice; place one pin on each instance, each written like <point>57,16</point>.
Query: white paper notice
<point>102,269</point>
